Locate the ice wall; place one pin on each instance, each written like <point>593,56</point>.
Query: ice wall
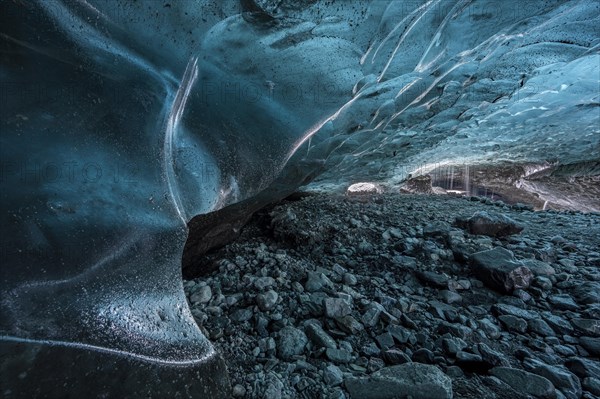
<point>121,121</point>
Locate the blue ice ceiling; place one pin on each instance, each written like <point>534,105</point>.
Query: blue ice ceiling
<point>121,120</point>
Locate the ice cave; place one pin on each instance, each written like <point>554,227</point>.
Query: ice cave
<point>361,199</point>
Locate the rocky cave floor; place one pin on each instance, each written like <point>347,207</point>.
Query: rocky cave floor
<point>388,296</point>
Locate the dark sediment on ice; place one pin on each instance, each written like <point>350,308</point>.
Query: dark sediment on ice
<point>378,296</point>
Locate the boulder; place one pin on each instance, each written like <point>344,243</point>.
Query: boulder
<point>499,270</point>
<point>490,224</point>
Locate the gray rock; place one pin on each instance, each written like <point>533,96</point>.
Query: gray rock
<point>455,372</point>
<point>415,380</point>
<point>490,329</point>
<point>443,311</point>
<point>592,385</point>
<point>314,303</point>
<point>332,375</point>
<point>538,268</point>
<point>238,391</point>
<point>433,279</point>
<point>587,293</point>
<point>274,389</point>
<point>459,285</point>
<point>453,345</point>
<point>349,324</point>
<point>267,301</point>
<point>394,356</point>
<point>319,337</point>
<point>241,315</point>
<point>424,356</point>
<point>588,327</point>
<point>291,342</point>
<point>504,309</point>
<point>491,357</point>
<point>544,283</point>
<point>202,295</point>
<point>450,297</point>
<point>436,229</point>
<point>402,335</point>
<point>583,367</point>
<point>591,345</point>
<point>557,323</point>
<point>375,364</point>
<point>337,394</point>
<point>568,265</point>
<point>455,329</point>
<point>525,382</point>
<point>385,341</point>
<point>345,345</point>
<point>540,327</point>
<point>317,282</point>
<point>563,302</point>
<point>592,312</point>
<point>513,323</point>
<point>499,270</point>
<point>463,357</point>
<point>522,295</point>
<point>338,355</point>
<point>336,307</point>
<point>567,382</point>
<point>262,283</point>
<point>304,365</point>
<point>350,279</point>
<point>565,350</point>
<point>388,318</point>
<point>296,286</point>
<point>408,322</point>
<point>372,315</point>
<point>371,349</point>
<point>490,224</point>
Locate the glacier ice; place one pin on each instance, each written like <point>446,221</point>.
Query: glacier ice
<point>121,121</point>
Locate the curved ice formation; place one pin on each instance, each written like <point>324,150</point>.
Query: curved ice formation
<point>121,121</point>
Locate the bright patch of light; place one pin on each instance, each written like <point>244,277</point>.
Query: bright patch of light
<point>364,188</point>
